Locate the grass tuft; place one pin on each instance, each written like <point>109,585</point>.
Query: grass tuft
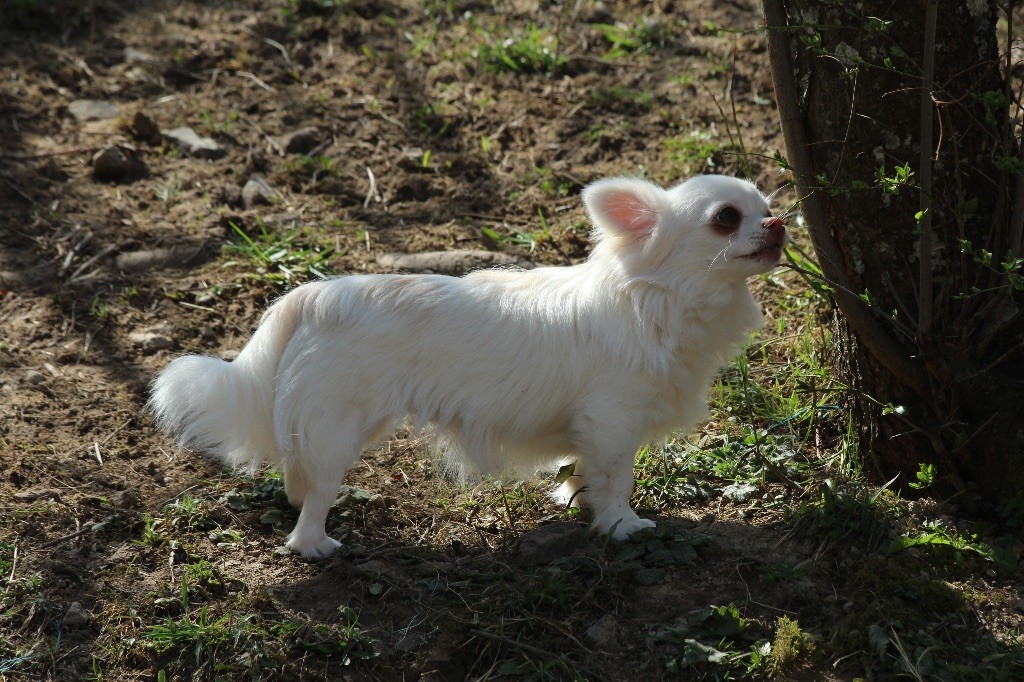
<point>279,257</point>
<point>534,51</point>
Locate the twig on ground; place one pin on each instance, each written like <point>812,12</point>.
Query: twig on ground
<point>255,79</point>
<point>533,650</point>
<point>196,306</point>
<point>272,43</point>
<point>55,152</point>
<point>69,536</point>
<point>104,252</point>
<point>14,567</point>
<point>110,435</point>
<point>75,248</point>
<point>372,193</point>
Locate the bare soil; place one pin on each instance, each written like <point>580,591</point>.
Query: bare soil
<point>419,146</point>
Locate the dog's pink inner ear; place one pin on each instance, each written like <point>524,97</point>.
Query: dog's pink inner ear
<point>629,213</point>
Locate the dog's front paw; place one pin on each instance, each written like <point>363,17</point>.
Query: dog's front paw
<point>621,523</point>
<point>313,549</point>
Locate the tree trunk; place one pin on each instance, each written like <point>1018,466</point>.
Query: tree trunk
<point>931,335</point>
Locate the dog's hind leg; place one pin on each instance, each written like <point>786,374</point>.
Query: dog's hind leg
<point>317,465</point>
<point>309,537</point>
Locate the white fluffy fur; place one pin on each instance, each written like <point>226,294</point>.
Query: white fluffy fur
<point>518,371</point>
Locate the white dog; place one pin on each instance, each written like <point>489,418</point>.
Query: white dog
<point>517,371</point>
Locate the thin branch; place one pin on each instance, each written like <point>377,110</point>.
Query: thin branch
<point>925,312</point>
<point>869,332</point>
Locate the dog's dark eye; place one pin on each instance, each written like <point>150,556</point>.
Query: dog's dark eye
<point>728,217</point>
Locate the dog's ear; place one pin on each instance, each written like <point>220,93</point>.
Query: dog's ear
<point>625,206</point>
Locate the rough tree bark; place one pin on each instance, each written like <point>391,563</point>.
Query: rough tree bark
<point>931,328</point>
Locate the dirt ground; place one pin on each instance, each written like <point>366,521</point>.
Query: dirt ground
<point>379,128</point>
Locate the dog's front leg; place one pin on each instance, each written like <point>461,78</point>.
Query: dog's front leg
<point>605,481</point>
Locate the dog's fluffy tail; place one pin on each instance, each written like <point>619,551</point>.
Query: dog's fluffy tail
<point>225,409</point>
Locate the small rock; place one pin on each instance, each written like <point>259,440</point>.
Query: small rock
<point>118,163</point>
<point>457,262</point>
<point>649,576</point>
<point>604,633</point>
<point>175,257</point>
<point>550,542</point>
<point>144,127</point>
<point>301,141</point>
<point>194,144</point>
<point>151,340</point>
<point>33,495</point>
<point>258,191</point>
<point>93,110</point>
<point>125,499</point>
<point>133,56</point>
<point>273,517</point>
<point>75,616</point>
<point>35,377</point>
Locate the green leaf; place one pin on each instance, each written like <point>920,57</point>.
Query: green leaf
<point>565,472</point>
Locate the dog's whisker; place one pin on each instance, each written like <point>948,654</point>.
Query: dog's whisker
<point>771,197</point>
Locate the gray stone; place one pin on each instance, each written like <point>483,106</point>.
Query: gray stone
<point>604,633</point>
<point>133,56</point>
<point>33,495</point>
<point>549,542</point>
<point>151,340</point>
<point>35,377</point>
<point>75,616</point>
<point>457,262</point>
<point>93,110</point>
<point>258,191</point>
<point>301,141</point>
<point>173,257</point>
<point>194,144</point>
<point>118,163</point>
